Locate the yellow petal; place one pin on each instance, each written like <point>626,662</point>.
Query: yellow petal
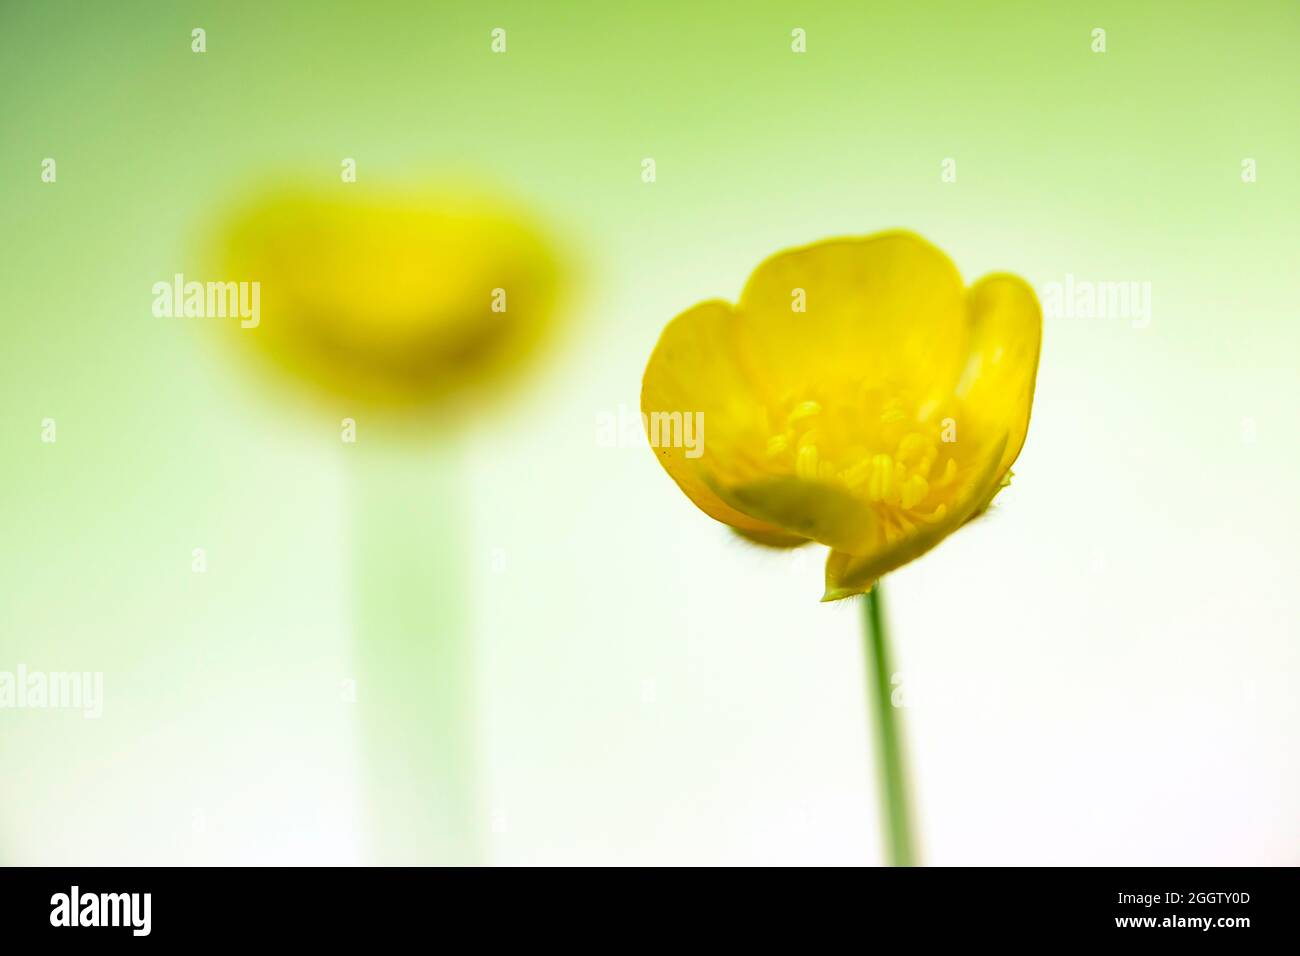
<point>881,310</point>
<point>693,370</point>
<point>848,574</point>
<point>811,509</point>
<point>393,297</point>
<point>997,382</point>
<point>774,539</point>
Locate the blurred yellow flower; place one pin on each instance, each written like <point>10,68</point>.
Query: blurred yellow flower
<point>393,298</point>
<point>858,395</point>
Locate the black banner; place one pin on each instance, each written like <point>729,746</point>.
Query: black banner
<point>1230,907</point>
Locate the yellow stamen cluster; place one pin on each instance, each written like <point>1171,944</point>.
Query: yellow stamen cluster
<point>872,447</point>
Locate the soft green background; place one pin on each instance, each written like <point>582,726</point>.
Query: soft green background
<point>1111,658</point>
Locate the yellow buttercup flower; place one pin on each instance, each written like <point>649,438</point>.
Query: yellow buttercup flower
<point>392,303</point>
<point>395,298</point>
<point>858,395</point>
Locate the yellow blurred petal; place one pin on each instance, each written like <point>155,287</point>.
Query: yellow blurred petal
<point>886,310</point>
<point>998,380</point>
<point>693,369</point>
<point>849,574</point>
<point>393,297</point>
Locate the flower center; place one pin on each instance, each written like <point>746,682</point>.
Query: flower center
<point>882,447</point>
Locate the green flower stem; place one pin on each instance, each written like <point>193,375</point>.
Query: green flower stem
<point>895,798</point>
<point>412,653</point>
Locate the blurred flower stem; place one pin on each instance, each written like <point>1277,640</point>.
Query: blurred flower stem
<point>413,653</point>
<point>896,804</point>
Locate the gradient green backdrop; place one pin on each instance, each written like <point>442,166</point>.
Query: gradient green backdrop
<point>1113,653</point>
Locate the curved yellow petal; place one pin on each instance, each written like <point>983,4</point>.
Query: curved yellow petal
<point>702,418</point>
<point>849,574</point>
<point>815,510</point>
<point>885,309</point>
<point>772,539</point>
<point>997,382</point>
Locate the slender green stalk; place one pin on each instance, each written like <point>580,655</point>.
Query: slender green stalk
<point>895,798</point>
<point>412,653</point>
